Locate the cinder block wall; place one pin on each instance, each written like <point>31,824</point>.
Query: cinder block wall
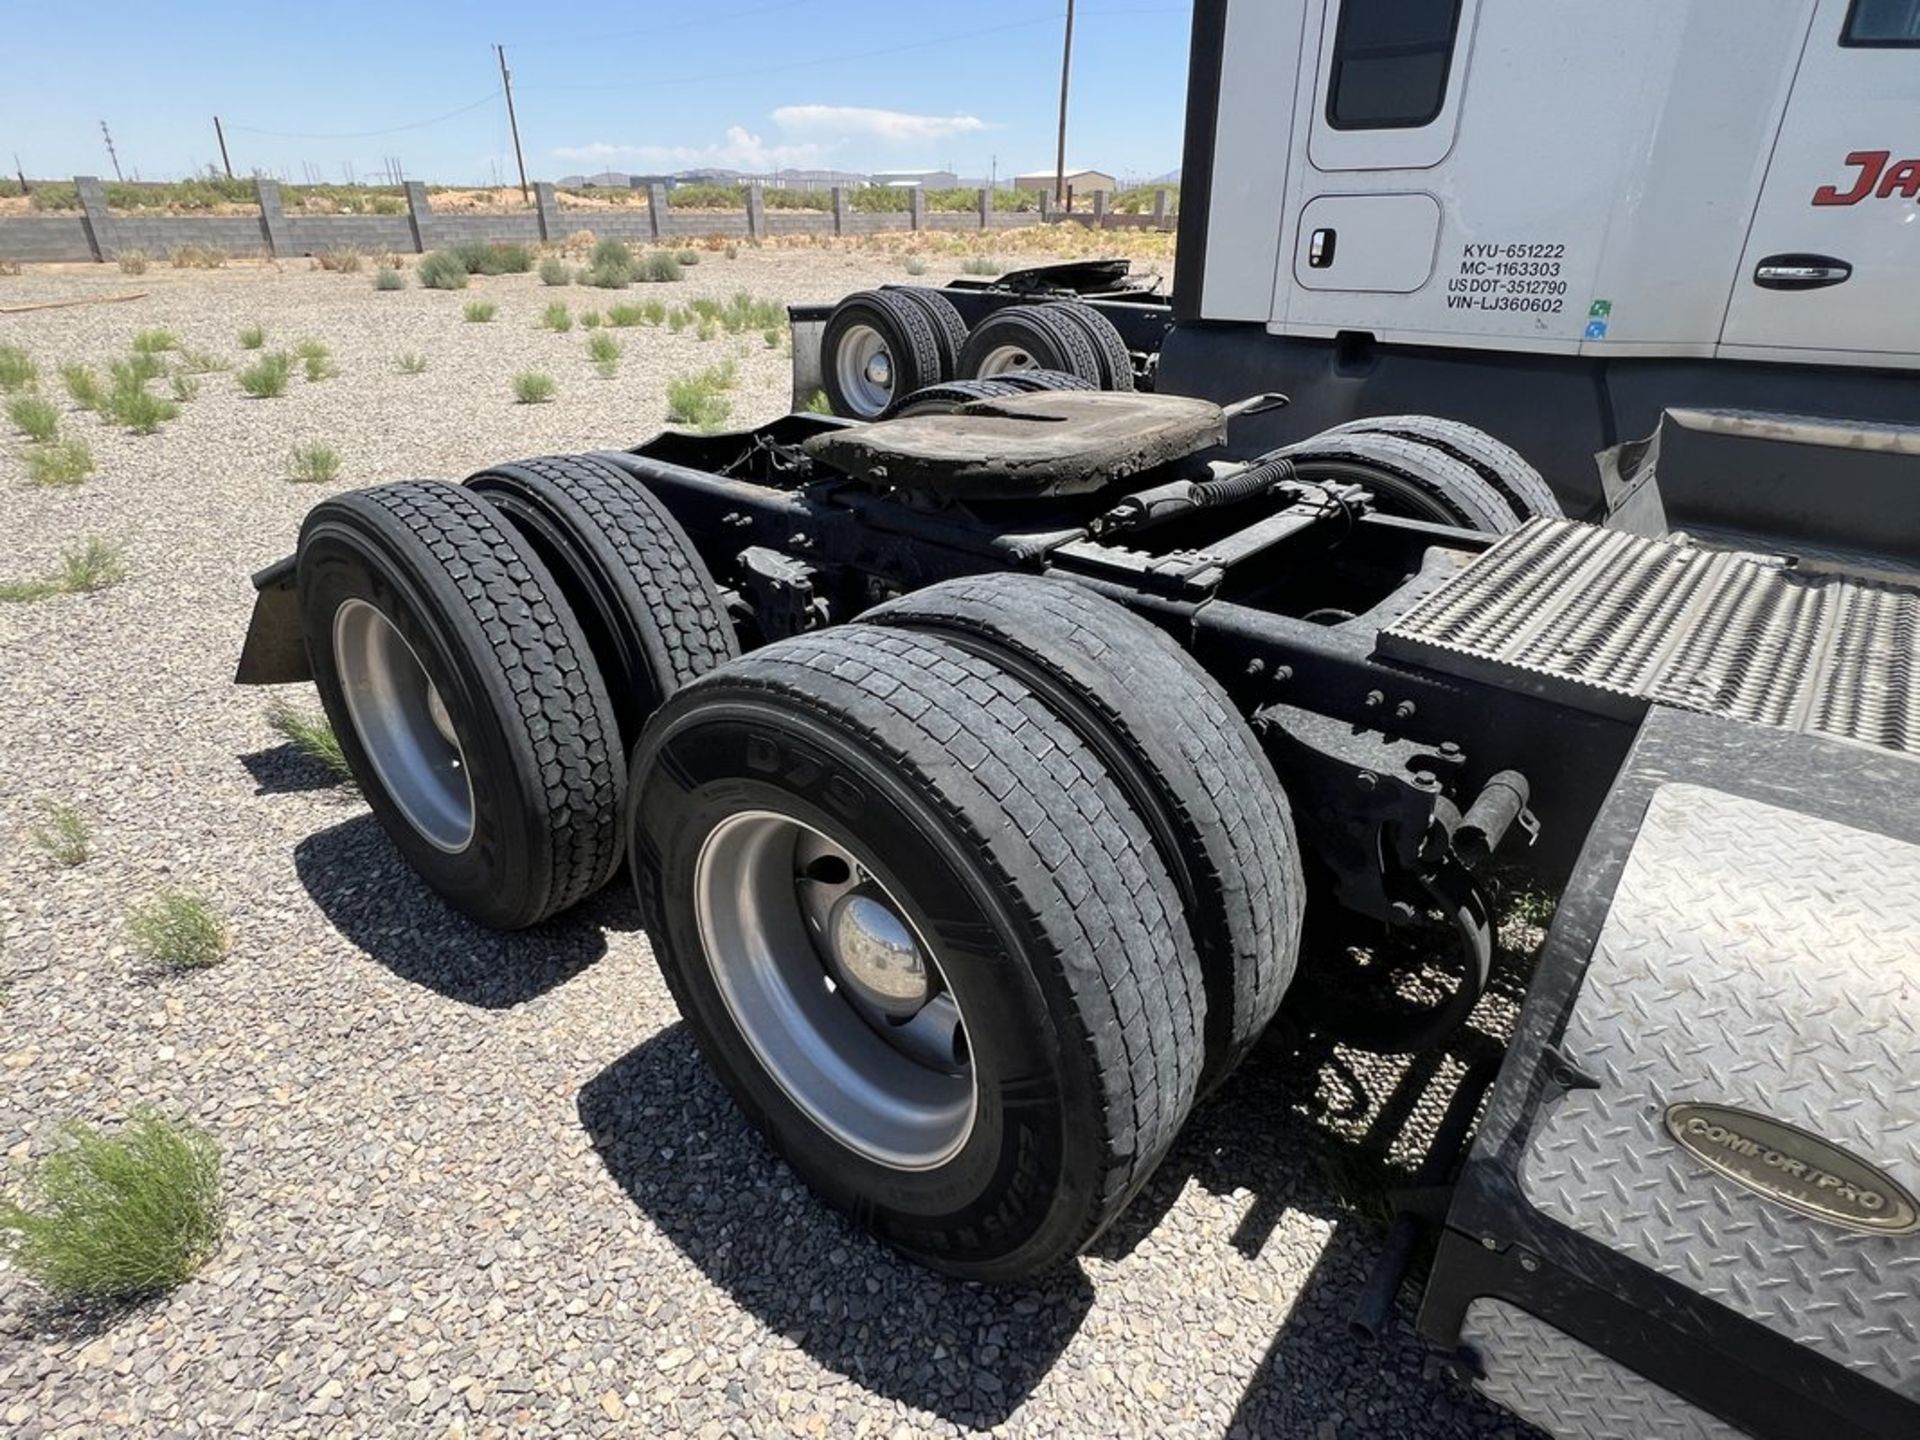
<point>65,236</point>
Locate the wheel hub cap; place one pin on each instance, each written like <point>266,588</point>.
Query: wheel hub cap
<point>876,956</point>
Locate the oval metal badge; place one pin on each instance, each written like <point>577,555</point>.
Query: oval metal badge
<point>1794,1168</point>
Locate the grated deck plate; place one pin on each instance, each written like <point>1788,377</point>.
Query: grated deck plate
<point>1611,621</point>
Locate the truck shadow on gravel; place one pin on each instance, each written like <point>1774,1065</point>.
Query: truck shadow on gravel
<point>372,897</point>
<point>669,1134</point>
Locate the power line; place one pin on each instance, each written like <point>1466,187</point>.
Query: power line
<point>486,99</point>
<point>547,42</point>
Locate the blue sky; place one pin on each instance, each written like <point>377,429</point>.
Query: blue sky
<point>644,85</point>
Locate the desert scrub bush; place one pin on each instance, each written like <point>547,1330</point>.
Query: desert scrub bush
<point>60,833</point>
<point>706,197</point>
<point>33,415</point>
<point>252,338</point>
<point>557,318</point>
<point>914,265</point>
<point>610,276</point>
<point>732,252</point>
<point>410,362</point>
<point>131,262</point>
<point>612,252</point>
<point>60,463</point>
<point>532,388</point>
<point>980,265</point>
<point>773,337</point>
<point>497,258</point>
<point>591,320</point>
<point>115,1217</point>
<point>555,271</point>
<point>197,257</point>
<point>131,404</point>
<point>267,377</point>
<point>142,365</point>
<point>184,386</point>
<point>623,316</point>
<point>604,351</point>
<point>317,357</point>
<point>818,404</point>
<point>310,734</point>
<point>17,370</point>
<point>654,312</point>
<point>200,362</point>
<point>314,464</point>
<point>660,268</point>
<point>479,312</point>
<point>178,931</point>
<point>706,329</point>
<point>687,257</point>
<point>441,270</point>
<point>83,386</point>
<point>90,567</point>
<point>342,262</point>
<point>678,319</point>
<point>700,400</point>
<point>387,279</point>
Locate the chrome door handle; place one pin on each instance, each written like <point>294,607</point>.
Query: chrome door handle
<point>1320,248</point>
<point>1800,272</point>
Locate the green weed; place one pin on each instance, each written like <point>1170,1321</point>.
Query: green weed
<point>388,279</point>
<point>532,388</point>
<point>61,833</point>
<point>312,736</point>
<point>267,377</point>
<point>17,371</point>
<point>153,342</point>
<point>178,931</point>
<point>699,400</point>
<point>314,464</point>
<point>317,357</point>
<point>557,318</point>
<point>441,270</point>
<point>61,463</point>
<point>34,416</point>
<point>252,338</point>
<point>84,386</point>
<point>479,312</point>
<point>555,271</point>
<point>410,362</point>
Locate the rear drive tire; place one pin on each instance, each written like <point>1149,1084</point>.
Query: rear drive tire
<point>1407,478</point>
<point>463,693</point>
<point>877,346</point>
<point>650,610</point>
<point>1032,381</point>
<point>1116,364</point>
<point>1497,463</point>
<point>1029,337</point>
<point>949,330</point>
<point>1169,734</point>
<point>950,395</point>
<point>1021,902</point>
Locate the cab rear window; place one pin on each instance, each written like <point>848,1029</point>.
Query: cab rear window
<point>1390,63</point>
<point>1883,23</point>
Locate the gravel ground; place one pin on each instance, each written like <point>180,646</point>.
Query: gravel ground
<point>483,1185</point>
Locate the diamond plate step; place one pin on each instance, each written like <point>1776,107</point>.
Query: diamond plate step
<point>1613,621</point>
<point>1768,960</point>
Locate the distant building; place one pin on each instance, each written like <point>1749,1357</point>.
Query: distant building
<point>916,179</point>
<point>816,179</point>
<point>1080,183</point>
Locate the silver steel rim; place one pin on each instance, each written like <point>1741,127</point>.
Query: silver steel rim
<point>835,990</point>
<point>403,725</point>
<point>864,367</point>
<point>1003,358</point>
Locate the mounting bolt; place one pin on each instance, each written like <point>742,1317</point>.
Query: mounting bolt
<point>1367,780</point>
<point>1450,749</point>
<point>1283,672</point>
<point>1403,711</point>
<point>1529,1264</point>
<point>1374,698</point>
<point>1256,666</point>
<point>801,542</point>
<point>1426,779</point>
<point>1487,1242</point>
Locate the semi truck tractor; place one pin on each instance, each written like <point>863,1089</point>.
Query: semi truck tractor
<point>996,759</point>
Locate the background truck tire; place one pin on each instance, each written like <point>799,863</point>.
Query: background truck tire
<point>1116,365</point>
<point>1055,927</point>
<point>869,323</point>
<point>1407,478</point>
<point>447,590</point>
<point>651,613</point>
<point>949,330</point>
<point>950,395</point>
<point>1497,463</point>
<point>1192,768</point>
<point>1029,337</point>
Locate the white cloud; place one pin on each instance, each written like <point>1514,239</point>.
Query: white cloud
<point>822,131</point>
<point>896,126</point>
<point>741,150</point>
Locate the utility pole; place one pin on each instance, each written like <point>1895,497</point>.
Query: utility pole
<point>20,170</point>
<point>222,136</point>
<point>111,153</point>
<point>1060,155</point>
<point>506,82</point>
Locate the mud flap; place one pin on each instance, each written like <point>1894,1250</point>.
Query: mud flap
<point>1690,1209</point>
<point>275,652</point>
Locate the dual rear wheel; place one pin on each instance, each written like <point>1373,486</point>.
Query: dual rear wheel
<point>965,903</point>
